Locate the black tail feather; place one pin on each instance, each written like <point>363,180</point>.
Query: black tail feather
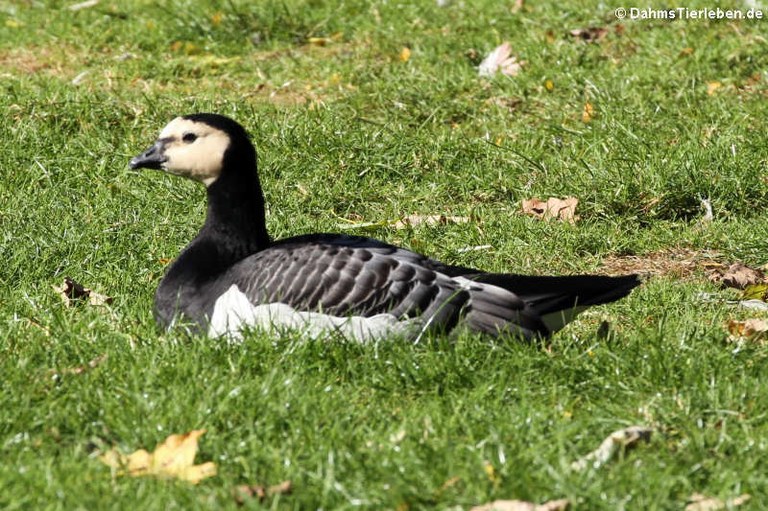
<point>552,294</point>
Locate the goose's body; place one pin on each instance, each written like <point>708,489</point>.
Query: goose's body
<point>232,275</point>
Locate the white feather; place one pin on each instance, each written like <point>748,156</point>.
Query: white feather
<point>233,311</point>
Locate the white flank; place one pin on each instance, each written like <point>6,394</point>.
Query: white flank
<point>233,311</point>
<point>558,319</point>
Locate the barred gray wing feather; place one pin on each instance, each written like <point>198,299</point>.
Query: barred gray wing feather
<point>343,280</point>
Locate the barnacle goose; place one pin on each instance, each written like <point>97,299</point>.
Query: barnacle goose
<point>233,275</point>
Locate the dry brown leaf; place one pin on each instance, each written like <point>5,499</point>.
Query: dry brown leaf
<point>737,275</point>
<point>71,291</point>
<point>246,492</point>
<point>174,458</point>
<point>701,502</point>
<point>559,209</point>
<point>748,329</point>
<point>429,220</point>
<point>79,369</point>
<point>618,441</point>
<point>590,34</point>
<point>521,505</point>
<point>409,221</point>
<point>500,60</point>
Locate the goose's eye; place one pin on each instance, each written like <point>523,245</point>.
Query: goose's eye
<point>189,137</point>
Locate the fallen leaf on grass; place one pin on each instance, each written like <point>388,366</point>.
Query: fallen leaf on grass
<point>590,34</point>
<point>500,59</point>
<point>71,291</point>
<point>701,502</point>
<point>753,329</point>
<point>737,275</point>
<point>712,87</point>
<point>174,458</point>
<point>429,220</point>
<point>521,505</point>
<point>756,292</point>
<point>78,369</point>
<point>246,492</point>
<point>559,209</point>
<point>323,41</point>
<point>617,442</point>
<point>587,113</point>
<point>409,221</point>
<point>405,54</point>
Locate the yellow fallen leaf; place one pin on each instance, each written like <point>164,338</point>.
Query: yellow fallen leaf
<point>549,85</point>
<point>712,87</point>
<point>490,471</point>
<point>319,41</point>
<point>174,458</point>
<point>588,112</point>
<point>756,292</point>
<point>405,54</point>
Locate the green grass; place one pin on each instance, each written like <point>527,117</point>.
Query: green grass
<point>372,138</point>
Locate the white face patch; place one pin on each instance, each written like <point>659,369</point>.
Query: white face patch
<point>194,149</point>
<point>233,311</point>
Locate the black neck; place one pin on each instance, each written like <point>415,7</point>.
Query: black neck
<point>234,226</point>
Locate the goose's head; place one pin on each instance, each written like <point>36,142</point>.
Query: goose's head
<point>199,146</point>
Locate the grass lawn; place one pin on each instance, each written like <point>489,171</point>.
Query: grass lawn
<point>640,124</point>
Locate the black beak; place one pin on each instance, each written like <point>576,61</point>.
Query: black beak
<point>152,158</point>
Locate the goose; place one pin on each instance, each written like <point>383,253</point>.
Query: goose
<point>233,276</point>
